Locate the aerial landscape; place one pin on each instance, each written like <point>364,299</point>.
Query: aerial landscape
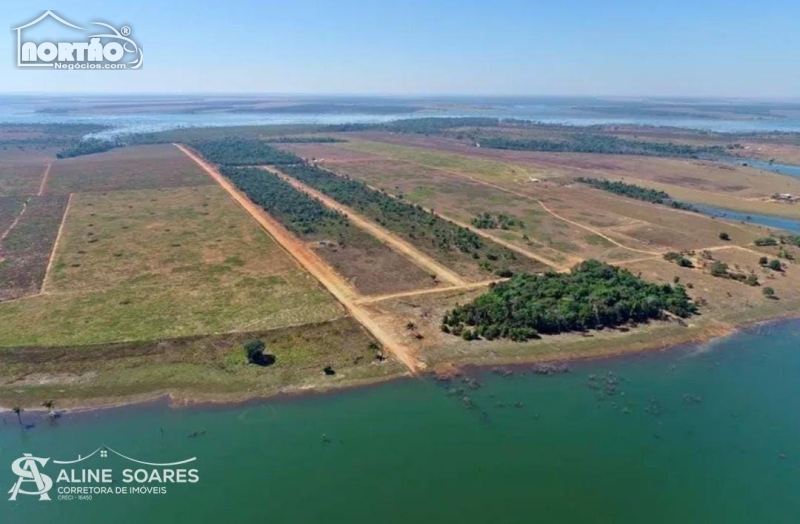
<point>477,305</point>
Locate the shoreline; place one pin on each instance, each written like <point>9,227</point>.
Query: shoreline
<point>466,366</point>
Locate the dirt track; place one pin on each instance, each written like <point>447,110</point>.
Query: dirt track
<point>398,244</point>
<point>534,199</point>
<point>298,250</point>
<point>45,176</point>
<point>55,244</point>
<point>466,287</point>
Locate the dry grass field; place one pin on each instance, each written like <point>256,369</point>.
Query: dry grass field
<point>139,167</point>
<point>578,222</point>
<point>21,170</point>
<point>26,246</point>
<point>157,264</point>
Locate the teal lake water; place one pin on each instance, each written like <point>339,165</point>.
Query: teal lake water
<point>701,434</point>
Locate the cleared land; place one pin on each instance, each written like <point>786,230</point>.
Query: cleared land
<point>198,368</point>
<point>158,264</point>
<point>26,244</point>
<point>22,170</point>
<point>139,167</point>
<point>734,187</point>
<point>562,221</point>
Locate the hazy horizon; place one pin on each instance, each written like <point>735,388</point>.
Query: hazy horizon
<point>575,48</point>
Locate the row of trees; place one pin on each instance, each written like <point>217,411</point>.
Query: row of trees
<point>234,151</point>
<point>605,144</point>
<point>413,221</point>
<point>593,295</point>
<point>299,212</point>
<point>638,192</point>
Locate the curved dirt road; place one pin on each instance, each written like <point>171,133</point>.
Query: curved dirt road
<point>298,250</point>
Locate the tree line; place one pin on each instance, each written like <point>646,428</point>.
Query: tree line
<point>592,295</point>
<point>604,144</point>
<point>637,192</point>
<point>299,212</point>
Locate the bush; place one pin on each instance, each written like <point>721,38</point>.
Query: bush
<point>724,236</point>
<point>254,351</point>
<point>766,241</point>
<point>719,269</point>
<point>775,265</point>
<point>763,261</point>
<point>768,292</point>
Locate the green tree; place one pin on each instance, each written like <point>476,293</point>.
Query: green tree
<point>763,261</point>
<point>254,350</point>
<point>775,265</point>
<point>724,236</point>
<point>768,292</point>
<point>751,280</point>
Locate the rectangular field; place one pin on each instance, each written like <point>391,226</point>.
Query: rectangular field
<point>163,263</point>
<point>138,167</point>
<point>25,250</point>
<point>21,170</point>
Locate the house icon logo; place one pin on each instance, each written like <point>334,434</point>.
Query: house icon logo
<point>112,49</point>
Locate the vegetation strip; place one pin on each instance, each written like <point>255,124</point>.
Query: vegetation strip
<point>645,194</point>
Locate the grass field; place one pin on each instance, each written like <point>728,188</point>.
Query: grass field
<point>584,223</point>
<point>21,170</point>
<point>139,167</point>
<point>734,187</point>
<point>26,249</point>
<point>155,264</point>
<point>193,368</point>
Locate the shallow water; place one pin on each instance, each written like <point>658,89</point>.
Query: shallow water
<point>787,224</point>
<point>706,433</point>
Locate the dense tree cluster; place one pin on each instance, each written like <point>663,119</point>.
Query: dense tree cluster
<point>299,212</point>
<point>87,147</point>
<point>501,221</point>
<point>605,144</point>
<point>232,151</point>
<point>593,295</point>
<point>638,192</point>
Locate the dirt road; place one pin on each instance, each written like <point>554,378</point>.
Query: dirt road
<point>55,244</point>
<point>298,250</point>
<point>466,287</point>
<point>401,246</point>
<point>45,176</point>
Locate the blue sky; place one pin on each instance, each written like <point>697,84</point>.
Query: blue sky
<point>563,47</point>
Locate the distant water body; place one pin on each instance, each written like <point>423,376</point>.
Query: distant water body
<point>706,434</point>
<point>17,110</point>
